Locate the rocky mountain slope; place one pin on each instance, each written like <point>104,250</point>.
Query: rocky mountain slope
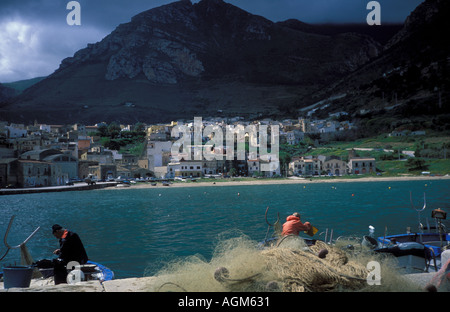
<point>183,60</point>
<point>408,85</point>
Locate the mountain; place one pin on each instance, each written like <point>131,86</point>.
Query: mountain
<point>183,60</point>
<point>21,85</point>
<point>6,93</point>
<point>408,85</point>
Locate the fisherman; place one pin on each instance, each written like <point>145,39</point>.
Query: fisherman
<point>70,249</point>
<point>293,225</point>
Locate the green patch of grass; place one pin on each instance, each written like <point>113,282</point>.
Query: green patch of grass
<point>392,167</point>
<point>136,149</point>
<point>439,166</point>
<point>395,167</point>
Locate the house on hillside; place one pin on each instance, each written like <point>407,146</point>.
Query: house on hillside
<point>361,165</point>
<point>35,173</point>
<point>158,153</point>
<point>334,165</point>
<point>263,167</point>
<point>64,163</point>
<point>294,137</point>
<point>8,172</point>
<point>301,166</point>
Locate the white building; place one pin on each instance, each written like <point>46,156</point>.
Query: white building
<point>157,153</point>
<point>263,167</point>
<point>13,132</point>
<point>185,168</point>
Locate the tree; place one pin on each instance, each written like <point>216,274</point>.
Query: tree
<point>113,145</point>
<point>114,130</point>
<point>103,130</point>
<point>139,127</point>
<point>416,164</point>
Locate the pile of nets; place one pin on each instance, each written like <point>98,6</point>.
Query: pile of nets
<point>238,264</point>
<point>318,268</point>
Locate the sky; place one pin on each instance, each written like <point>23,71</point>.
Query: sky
<point>35,35</point>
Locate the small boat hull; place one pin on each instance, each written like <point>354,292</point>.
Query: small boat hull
<point>91,271</point>
<point>415,252</point>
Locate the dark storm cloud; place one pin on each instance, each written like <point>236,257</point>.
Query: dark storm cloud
<point>34,35</point>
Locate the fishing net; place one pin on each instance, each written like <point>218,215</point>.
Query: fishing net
<point>238,256</point>
<point>303,269</point>
<point>238,264</point>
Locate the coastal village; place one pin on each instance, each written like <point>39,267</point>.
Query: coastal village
<point>41,155</point>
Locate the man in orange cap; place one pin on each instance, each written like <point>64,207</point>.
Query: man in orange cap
<point>293,225</point>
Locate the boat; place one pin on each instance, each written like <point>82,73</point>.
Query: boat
<point>418,251</point>
<point>86,272</point>
<point>103,273</point>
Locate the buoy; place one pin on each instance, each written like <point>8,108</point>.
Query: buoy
<point>353,194</point>
<point>323,253</point>
<point>389,187</point>
<point>221,274</point>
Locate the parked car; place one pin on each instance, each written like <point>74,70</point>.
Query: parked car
<point>90,181</point>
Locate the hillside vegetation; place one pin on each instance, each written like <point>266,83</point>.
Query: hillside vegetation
<point>392,154</point>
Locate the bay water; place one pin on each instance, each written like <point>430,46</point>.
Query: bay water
<point>135,231</point>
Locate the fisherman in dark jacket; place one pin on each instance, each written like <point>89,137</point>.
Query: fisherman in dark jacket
<point>70,249</point>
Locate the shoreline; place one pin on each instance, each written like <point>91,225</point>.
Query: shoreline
<point>62,188</point>
<point>212,183</point>
<point>236,182</point>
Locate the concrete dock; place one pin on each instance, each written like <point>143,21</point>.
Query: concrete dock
<point>142,284</point>
<point>81,186</point>
<point>145,284</point>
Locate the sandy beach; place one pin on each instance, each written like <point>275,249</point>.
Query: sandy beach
<point>218,183</point>
<point>292,180</point>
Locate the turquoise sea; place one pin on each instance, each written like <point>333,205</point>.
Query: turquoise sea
<point>134,231</point>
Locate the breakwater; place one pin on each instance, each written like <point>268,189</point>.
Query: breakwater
<point>66,188</point>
